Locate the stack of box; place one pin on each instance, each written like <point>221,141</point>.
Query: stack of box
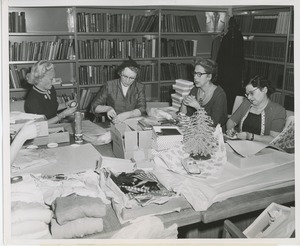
<point>182,88</point>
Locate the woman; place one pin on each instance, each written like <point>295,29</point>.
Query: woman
<point>121,98</point>
<point>42,99</point>
<point>258,118</point>
<point>206,94</point>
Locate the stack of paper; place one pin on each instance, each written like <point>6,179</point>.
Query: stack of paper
<point>182,88</point>
<point>165,137</point>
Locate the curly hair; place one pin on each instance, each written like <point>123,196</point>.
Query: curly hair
<point>261,82</point>
<point>38,71</point>
<point>209,66</point>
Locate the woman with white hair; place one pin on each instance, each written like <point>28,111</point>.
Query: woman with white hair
<point>42,99</point>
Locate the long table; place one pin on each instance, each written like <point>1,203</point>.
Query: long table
<point>242,205</point>
<point>232,207</point>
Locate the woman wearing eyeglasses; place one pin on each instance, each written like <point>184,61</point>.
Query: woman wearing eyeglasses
<point>206,94</point>
<point>121,98</point>
<point>42,98</point>
<point>257,118</point>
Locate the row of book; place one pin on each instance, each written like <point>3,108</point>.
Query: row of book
<point>182,88</point>
<point>289,79</point>
<point>273,72</point>
<point>290,55</point>
<point>109,22</point>
<point>116,48</point>
<point>99,74</point>
<point>165,93</point>
<point>63,98</point>
<point>62,49</point>
<point>264,23</point>
<point>179,23</point>
<point>172,71</point>
<point>178,47</point>
<point>16,22</point>
<point>17,77</point>
<point>267,50</point>
<point>276,97</point>
<point>86,97</point>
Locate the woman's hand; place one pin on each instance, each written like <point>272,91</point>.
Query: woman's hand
<point>68,111</point>
<point>243,135</point>
<point>231,132</point>
<point>121,117</point>
<point>192,102</point>
<point>71,104</point>
<point>111,114</point>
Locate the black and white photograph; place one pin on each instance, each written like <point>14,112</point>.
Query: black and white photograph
<point>149,122</point>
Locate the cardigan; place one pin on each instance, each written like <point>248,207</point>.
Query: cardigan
<point>111,94</point>
<point>216,107</point>
<point>38,102</point>
<point>275,116</point>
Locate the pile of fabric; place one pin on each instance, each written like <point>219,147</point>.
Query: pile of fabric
<point>30,217</point>
<point>76,216</point>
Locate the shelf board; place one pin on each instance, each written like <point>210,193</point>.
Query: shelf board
<point>18,89</point>
<point>117,59</point>
<point>90,85</point>
<point>189,33</point>
<point>288,92</point>
<point>54,33</point>
<point>265,34</point>
<point>59,87</point>
<point>265,61</point>
<point>179,57</point>
<point>155,34</point>
<point>32,62</point>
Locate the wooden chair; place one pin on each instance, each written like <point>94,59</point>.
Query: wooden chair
<point>231,231</point>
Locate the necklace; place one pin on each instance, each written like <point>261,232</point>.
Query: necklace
<point>204,96</point>
<point>46,93</point>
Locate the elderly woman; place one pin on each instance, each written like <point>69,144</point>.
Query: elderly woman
<point>206,94</point>
<point>121,98</point>
<point>257,118</point>
<point>42,99</point>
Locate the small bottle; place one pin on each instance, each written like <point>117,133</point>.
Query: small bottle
<point>78,128</point>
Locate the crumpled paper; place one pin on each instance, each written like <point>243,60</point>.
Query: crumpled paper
<point>27,158</point>
<point>147,227</point>
<point>211,168</point>
<point>82,184</point>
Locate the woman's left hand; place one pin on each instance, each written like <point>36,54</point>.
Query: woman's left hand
<point>191,101</point>
<point>242,135</point>
<point>69,111</point>
<point>121,117</point>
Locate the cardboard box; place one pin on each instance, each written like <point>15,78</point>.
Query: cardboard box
<point>57,137</point>
<point>131,141</point>
<point>262,228</point>
<point>264,157</point>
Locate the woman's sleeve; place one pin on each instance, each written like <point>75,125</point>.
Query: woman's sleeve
<point>141,100</point>
<point>278,121</point>
<point>100,98</point>
<point>237,116</point>
<point>217,112</point>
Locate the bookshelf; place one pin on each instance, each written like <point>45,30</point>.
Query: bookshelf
<point>41,33</point>
<point>87,43</point>
<point>269,47</point>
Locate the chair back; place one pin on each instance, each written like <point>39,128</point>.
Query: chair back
<point>231,231</point>
<point>17,106</point>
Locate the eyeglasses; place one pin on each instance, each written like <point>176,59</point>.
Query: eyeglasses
<point>126,77</point>
<point>199,74</point>
<point>251,93</point>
